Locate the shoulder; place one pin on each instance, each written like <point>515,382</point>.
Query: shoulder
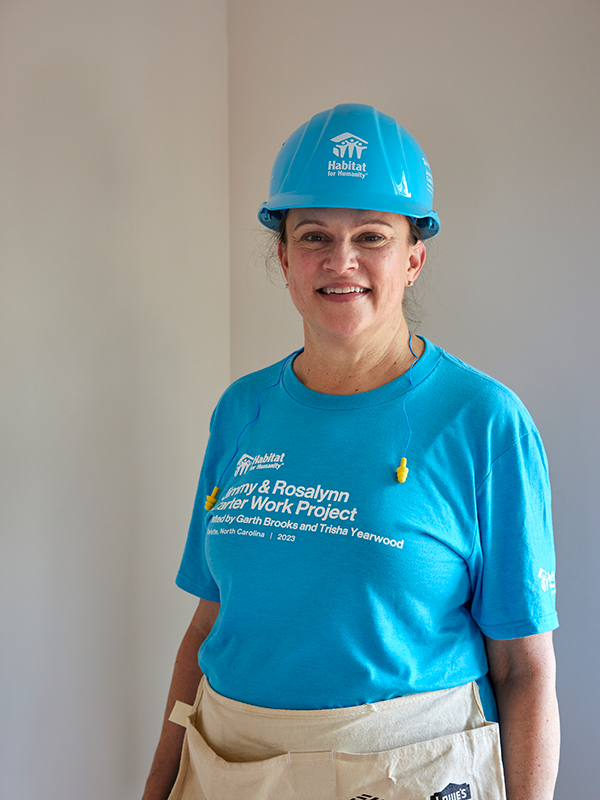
<point>474,391</point>
<point>476,410</point>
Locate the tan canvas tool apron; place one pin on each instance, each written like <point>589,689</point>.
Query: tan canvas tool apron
<point>431,746</point>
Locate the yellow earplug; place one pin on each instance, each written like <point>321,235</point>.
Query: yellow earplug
<point>402,471</point>
<point>211,499</point>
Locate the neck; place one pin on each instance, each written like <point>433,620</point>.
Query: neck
<point>348,367</point>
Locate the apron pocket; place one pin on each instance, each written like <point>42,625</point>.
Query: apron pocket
<point>455,767</point>
<point>290,776</point>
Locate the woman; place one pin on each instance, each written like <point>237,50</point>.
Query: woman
<point>353,612</point>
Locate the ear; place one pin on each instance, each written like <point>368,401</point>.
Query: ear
<point>416,260</point>
<point>283,259</point>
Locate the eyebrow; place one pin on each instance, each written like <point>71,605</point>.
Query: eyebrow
<point>360,223</point>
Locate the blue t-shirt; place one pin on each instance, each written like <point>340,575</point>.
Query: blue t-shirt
<point>341,586</point>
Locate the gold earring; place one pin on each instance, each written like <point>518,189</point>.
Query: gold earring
<point>410,283</point>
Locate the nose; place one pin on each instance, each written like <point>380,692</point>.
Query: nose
<point>341,257</point>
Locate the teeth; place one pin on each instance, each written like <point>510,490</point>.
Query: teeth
<point>343,290</point>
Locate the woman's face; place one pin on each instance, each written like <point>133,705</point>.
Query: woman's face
<point>347,270</point>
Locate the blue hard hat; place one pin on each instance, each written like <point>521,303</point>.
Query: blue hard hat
<point>352,156</point>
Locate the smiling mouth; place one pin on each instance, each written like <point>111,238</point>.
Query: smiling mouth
<point>343,290</point>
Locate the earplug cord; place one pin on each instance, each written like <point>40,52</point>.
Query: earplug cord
<point>402,471</point>
<point>413,387</point>
<point>212,499</point>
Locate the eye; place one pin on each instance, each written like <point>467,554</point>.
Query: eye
<point>314,239</point>
<point>372,238</point>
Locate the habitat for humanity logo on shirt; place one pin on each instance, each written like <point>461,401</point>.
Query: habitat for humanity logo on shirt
<point>268,461</point>
<point>547,581</point>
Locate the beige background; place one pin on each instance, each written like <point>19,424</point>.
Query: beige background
<point>136,141</point>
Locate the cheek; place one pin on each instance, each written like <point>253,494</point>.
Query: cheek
<point>391,277</point>
<point>297,282</point>
<point>299,270</point>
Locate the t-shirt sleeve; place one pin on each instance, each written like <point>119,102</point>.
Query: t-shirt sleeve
<point>513,560</point>
<point>194,574</point>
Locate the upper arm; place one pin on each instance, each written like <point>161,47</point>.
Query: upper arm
<point>203,620</point>
<point>521,659</point>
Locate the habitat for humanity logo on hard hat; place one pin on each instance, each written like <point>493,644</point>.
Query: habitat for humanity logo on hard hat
<point>348,145</point>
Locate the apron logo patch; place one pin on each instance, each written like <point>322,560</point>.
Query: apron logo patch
<point>453,791</point>
<point>366,797</point>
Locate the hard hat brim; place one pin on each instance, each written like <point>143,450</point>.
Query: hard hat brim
<point>270,216</point>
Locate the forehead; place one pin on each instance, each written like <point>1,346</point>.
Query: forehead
<point>351,217</point>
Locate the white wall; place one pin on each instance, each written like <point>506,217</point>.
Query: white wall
<point>503,97</point>
<point>114,314</point>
